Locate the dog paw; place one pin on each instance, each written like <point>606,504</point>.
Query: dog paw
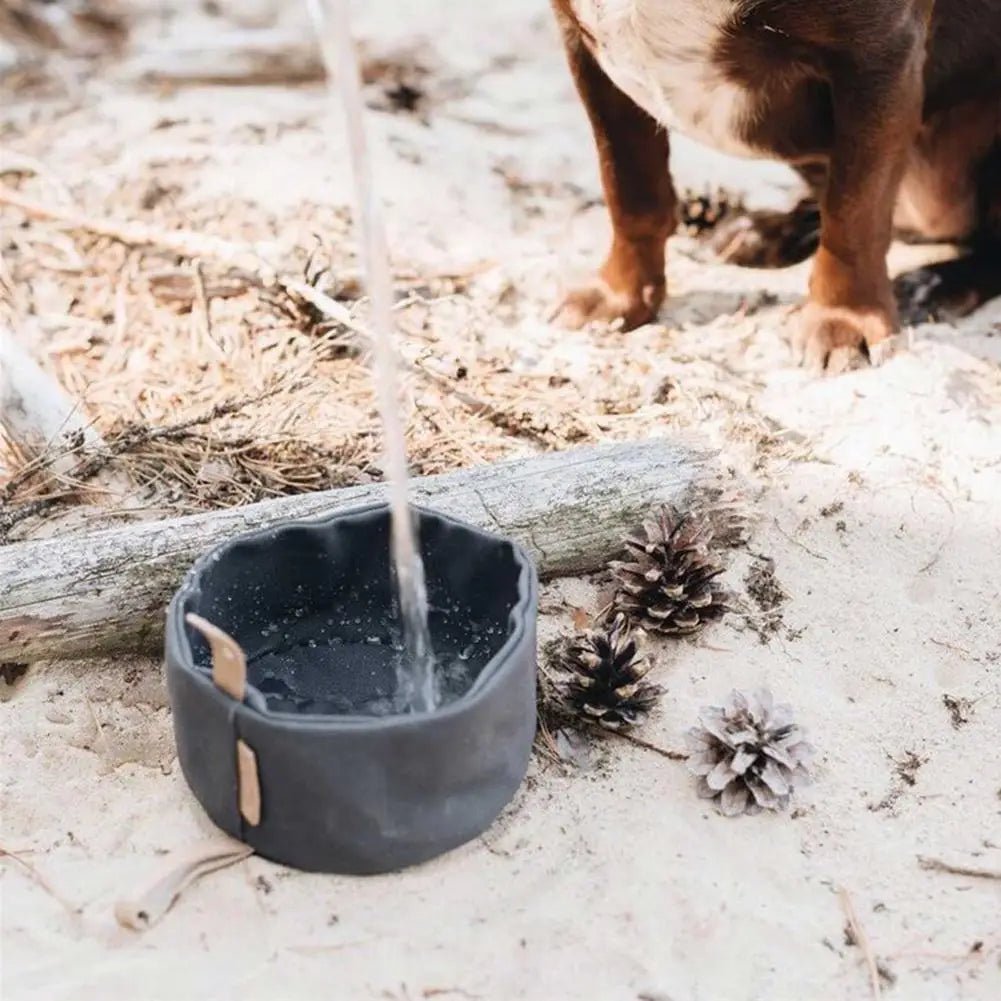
<point>598,302</point>
<point>835,339</point>
<point>767,239</point>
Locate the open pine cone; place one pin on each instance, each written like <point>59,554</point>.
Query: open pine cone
<point>606,682</point>
<point>670,584</point>
<point>748,754</point>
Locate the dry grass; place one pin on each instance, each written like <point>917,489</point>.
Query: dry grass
<point>280,393</point>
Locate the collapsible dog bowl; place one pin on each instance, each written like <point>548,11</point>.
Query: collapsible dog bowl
<point>281,654</point>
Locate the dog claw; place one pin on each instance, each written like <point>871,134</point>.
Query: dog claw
<point>838,340</point>
<point>600,303</point>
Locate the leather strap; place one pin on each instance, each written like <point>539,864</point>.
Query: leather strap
<point>229,665</point>
<point>229,672</point>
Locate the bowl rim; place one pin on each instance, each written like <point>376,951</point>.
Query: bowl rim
<point>490,676</point>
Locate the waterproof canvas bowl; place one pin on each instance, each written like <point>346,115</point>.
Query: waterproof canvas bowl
<point>281,651</point>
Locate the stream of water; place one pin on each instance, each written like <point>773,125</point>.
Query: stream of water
<point>417,688</point>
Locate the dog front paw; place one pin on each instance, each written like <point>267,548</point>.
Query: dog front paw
<point>598,302</point>
<point>836,339</point>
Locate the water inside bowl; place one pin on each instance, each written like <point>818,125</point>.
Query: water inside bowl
<point>346,663</point>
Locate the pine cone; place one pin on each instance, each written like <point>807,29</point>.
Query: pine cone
<point>606,684</point>
<point>77,24</point>
<point>749,754</point>
<point>702,212</point>
<point>671,585</point>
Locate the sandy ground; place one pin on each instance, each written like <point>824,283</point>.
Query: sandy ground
<point>876,497</point>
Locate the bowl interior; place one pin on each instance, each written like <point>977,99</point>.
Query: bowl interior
<point>314,609</point>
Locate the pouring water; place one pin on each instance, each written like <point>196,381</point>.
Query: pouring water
<point>417,687</point>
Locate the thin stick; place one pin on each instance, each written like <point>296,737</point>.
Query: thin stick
<point>183,242</point>
<point>28,868</point>
<point>938,865</point>
<point>640,742</point>
<point>186,243</point>
<point>144,907</point>
<point>862,940</point>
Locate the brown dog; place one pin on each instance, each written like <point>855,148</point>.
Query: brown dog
<point>891,109</point>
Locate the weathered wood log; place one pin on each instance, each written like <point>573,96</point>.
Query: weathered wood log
<point>106,592</point>
<point>238,57</point>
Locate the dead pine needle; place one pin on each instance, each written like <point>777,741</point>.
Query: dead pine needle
<point>862,941</point>
<point>190,463</point>
<point>939,865</point>
<point>190,244</point>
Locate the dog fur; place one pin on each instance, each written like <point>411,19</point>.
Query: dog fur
<point>891,109</point>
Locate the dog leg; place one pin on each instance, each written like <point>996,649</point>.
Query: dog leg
<point>965,190</point>
<point>877,115</point>
<point>633,152</point>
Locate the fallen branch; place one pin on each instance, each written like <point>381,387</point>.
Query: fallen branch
<point>94,594</point>
<point>238,57</point>
<point>187,243</point>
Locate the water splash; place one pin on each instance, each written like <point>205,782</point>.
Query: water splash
<point>417,685</point>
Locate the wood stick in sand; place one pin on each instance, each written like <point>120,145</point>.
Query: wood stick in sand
<point>862,941</point>
<point>91,595</point>
<point>35,413</point>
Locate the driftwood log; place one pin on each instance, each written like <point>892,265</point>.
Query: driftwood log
<point>106,592</point>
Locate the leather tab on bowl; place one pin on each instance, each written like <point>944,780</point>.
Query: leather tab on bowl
<point>249,782</point>
<point>229,665</point>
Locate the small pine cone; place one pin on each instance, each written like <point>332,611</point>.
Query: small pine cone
<point>749,754</point>
<point>670,586</point>
<point>702,212</point>
<point>606,682</point>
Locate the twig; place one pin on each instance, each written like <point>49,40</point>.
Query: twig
<point>149,904</point>
<point>862,941</point>
<point>35,412</point>
<point>182,242</point>
<point>640,742</point>
<point>187,243</point>
<point>951,646</point>
<point>481,408</point>
<point>938,865</point>
<point>796,542</point>
<point>89,461</point>
<point>28,868</point>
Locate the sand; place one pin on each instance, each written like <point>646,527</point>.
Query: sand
<point>877,514</point>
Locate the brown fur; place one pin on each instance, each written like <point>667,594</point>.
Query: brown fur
<point>892,108</point>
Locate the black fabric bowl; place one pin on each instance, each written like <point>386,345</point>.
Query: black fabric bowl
<point>311,604</point>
